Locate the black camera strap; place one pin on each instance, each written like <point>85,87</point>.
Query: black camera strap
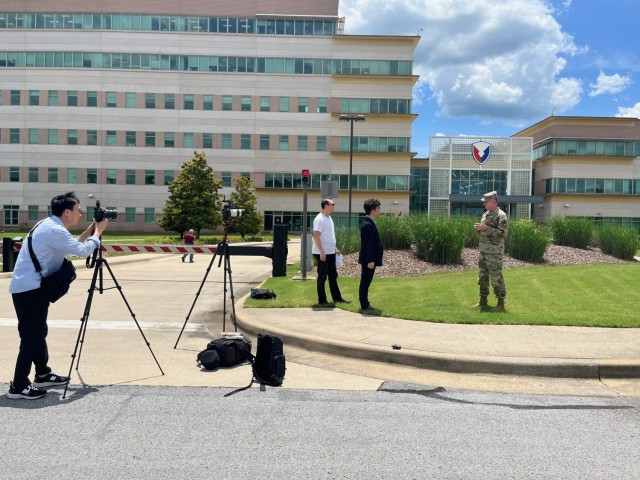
<point>34,259</point>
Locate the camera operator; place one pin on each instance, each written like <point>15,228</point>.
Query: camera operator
<point>52,242</point>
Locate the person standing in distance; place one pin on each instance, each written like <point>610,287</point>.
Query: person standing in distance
<point>371,251</point>
<point>51,242</point>
<point>492,229</point>
<point>324,250</point>
<point>188,240</point>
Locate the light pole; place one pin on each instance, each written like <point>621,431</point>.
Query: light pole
<point>351,118</point>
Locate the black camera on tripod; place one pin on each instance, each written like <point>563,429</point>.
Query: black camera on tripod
<point>228,212</point>
<point>100,214</point>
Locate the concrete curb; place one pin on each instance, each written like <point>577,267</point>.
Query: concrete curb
<point>587,368</point>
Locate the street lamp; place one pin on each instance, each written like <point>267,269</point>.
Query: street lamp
<point>351,118</point>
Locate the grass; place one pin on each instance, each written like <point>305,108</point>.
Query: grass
<point>602,295</point>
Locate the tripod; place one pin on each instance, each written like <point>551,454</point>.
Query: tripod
<point>97,279</point>
<point>222,250</point>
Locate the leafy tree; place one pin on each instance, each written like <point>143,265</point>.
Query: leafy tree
<point>194,201</point>
<point>245,197</point>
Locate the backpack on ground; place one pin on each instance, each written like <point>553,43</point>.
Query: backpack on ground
<point>268,364</point>
<point>228,352</point>
<point>262,294</point>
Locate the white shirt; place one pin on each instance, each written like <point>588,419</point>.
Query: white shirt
<point>51,243</point>
<point>324,224</point>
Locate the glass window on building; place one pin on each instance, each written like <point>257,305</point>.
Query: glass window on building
<point>52,136</point>
<point>149,215</point>
<point>53,98</point>
<point>92,175</point>
<point>303,104</point>
<point>112,177</point>
<point>187,140</point>
<point>149,177</point>
<point>226,179</point>
<point>130,139</point>
<point>52,175</point>
<point>169,140</point>
<point>14,97</point>
<point>207,102</point>
<point>284,104</point>
<point>33,212</point>
<point>169,175</point>
<point>130,215</point>
<point>34,175</point>
<point>130,177</point>
<point>322,105</point>
<point>283,142</point>
<point>34,136</point>
<point>92,137</point>
<point>72,175</point>
<point>245,103</point>
<point>321,143</point>
<point>72,137</point>
<point>11,214</point>
<point>14,135</point>
<point>112,100</point>
<point>149,100</point>
<point>112,138</point>
<point>188,101</point>
<point>130,100</point>
<point>149,139</point>
<point>34,97</point>
<point>226,141</point>
<point>92,99</point>
<point>169,101</point>
<point>14,174</point>
<point>265,104</point>
<point>207,140</point>
<point>245,141</point>
<point>227,102</point>
<point>264,142</point>
<point>303,143</point>
<point>72,98</point>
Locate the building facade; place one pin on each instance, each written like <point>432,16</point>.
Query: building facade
<point>587,167</point>
<point>109,98</point>
<point>462,169</point>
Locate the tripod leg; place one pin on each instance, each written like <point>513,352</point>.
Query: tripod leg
<point>83,328</point>
<point>133,315</point>
<point>233,298</point>
<point>213,259</point>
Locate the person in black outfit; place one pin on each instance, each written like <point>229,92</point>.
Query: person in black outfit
<point>371,251</point>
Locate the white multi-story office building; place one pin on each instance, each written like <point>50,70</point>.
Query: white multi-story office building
<point>109,98</point>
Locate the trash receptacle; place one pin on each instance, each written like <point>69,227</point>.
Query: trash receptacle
<point>10,253</point>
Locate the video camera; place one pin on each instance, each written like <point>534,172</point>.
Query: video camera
<point>228,212</point>
<point>100,214</point>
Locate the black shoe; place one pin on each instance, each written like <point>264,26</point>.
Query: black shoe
<point>323,303</point>
<point>27,393</point>
<point>369,308</point>
<point>342,300</point>
<point>49,380</point>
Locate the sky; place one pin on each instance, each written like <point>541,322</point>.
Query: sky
<point>494,67</point>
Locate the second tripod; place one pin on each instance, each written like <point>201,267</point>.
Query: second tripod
<point>224,255</point>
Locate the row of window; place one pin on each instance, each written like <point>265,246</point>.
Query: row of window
<point>588,148</point>
<point>376,144</point>
<point>477,182</point>
<point>204,63</point>
<point>112,138</point>
<point>11,214</point>
<point>376,105</point>
<point>607,186</point>
<point>73,98</point>
<point>292,181</point>
<point>110,176</point>
<point>165,23</point>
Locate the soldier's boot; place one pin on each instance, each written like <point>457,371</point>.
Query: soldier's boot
<point>482,302</point>
<point>500,306</point>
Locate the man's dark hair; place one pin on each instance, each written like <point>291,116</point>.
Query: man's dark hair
<point>325,202</point>
<point>61,202</point>
<point>370,205</point>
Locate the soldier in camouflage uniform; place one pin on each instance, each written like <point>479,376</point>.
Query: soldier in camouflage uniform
<point>493,230</point>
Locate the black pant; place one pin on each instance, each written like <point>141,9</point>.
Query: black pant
<point>366,277</point>
<point>32,308</point>
<point>327,269</point>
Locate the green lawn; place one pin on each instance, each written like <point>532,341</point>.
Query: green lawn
<point>599,295</point>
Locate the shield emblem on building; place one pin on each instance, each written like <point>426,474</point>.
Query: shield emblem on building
<point>481,152</point>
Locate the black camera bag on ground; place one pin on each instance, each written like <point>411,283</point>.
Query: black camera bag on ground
<point>262,294</point>
<point>231,352</point>
<point>209,359</point>
<point>269,363</point>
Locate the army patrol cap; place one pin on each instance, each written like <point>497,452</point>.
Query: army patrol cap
<point>490,196</point>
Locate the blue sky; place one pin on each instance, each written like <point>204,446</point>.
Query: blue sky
<point>493,67</point>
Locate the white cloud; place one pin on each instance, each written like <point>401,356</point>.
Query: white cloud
<point>479,58</point>
<point>629,112</point>
<point>609,84</point>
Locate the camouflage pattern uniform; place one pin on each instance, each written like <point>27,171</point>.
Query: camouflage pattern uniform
<point>491,248</point>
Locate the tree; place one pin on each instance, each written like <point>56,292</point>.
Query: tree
<point>250,223</point>
<point>194,201</point>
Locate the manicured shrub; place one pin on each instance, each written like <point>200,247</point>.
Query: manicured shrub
<point>437,240</point>
<point>574,232</point>
<point>527,241</point>
<point>394,233</point>
<point>621,242</point>
<point>466,225</point>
